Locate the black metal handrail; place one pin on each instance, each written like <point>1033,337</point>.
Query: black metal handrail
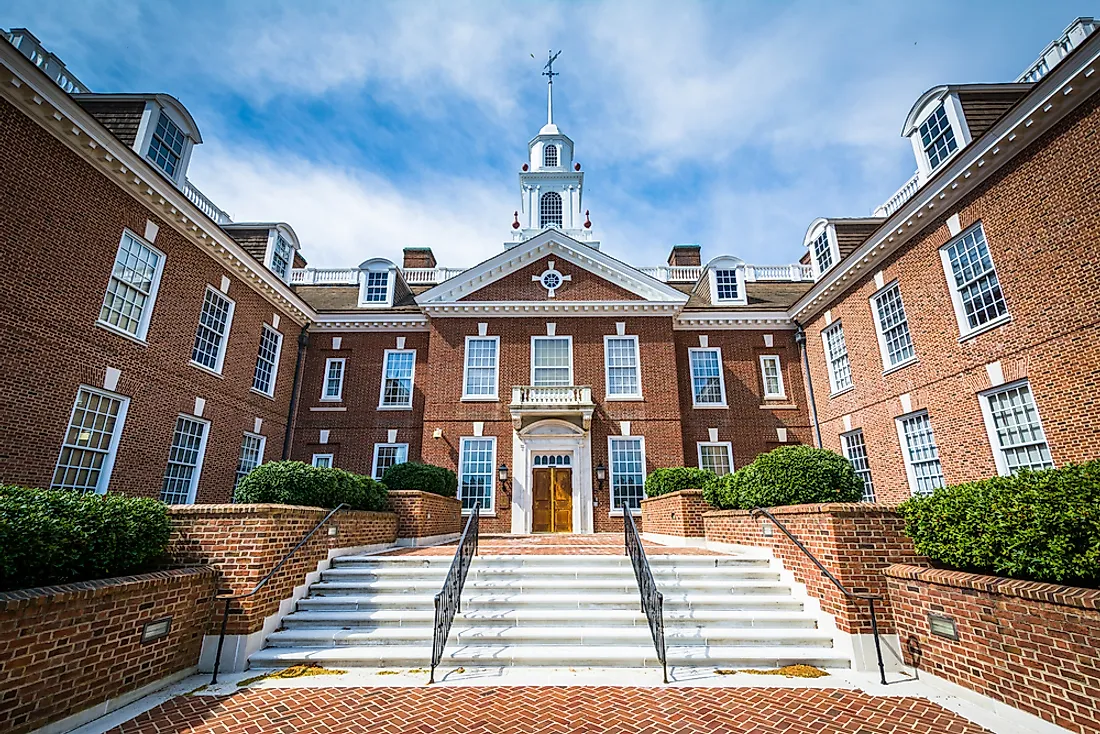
<point>448,601</point>
<point>229,598</point>
<point>653,601</point>
<point>869,598</point>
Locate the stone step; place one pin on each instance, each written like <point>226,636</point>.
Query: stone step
<point>514,561</point>
<point>520,584</point>
<point>438,573</point>
<point>550,600</point>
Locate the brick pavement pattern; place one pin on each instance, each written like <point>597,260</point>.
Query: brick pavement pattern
<point>547,710</point>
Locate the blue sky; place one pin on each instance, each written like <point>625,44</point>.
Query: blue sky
<point>374,126</point>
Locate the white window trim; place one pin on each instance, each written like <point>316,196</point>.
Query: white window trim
<point>269,254</point>
<point>699,452</point>
<point>263,447</point>
<point>325,397</point>
<point>833,390</point>
<point>764,358</point>
<point>738,268</point>
<point>834,248</point>
<point>374,461</point>
<point>491,510</point>
<point>910,472</point>
<point>220,361</point>
<point>991,430</point>
<point>721,379</point>
<point>544,337</point>
<point>274,367</point>
<point>495,396</point>
<point>147,312</point>
<point>616,509</point>
<point>199,460</point>
<point>845,453</point>
<point>965,331</point>
<point>148,126</point>
<point>882,350</point>
<point>390,279</point>
<point>331,463</point>
<point>959,127</point>
<point>112,449</point>
<point>412,381</point>
<point>607,369</point>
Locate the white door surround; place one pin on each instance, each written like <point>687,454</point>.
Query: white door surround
<point>551,436</point>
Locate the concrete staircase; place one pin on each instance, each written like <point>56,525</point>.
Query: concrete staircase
<point>562,611</point>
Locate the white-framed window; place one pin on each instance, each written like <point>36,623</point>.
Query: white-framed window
<point>922,457</point>
<point>771,375</point>
<point>166,149</point>
<point>333,389</point>
<point>626,472</point>
<point>91,441</point>
<point>267,361</point>
<point>398,370</point>
<point>550,209</point>
<point>252,455</point>
<point>937,139</point>
<point>622,369</point>
<point>855,451</point>
<point>972,280</point>
<point>212,333</point>
<point>1015,431</point>
<point>132,289</point>
<point>181,475</point>
<point>282,256</point>
<point>376,287</point>
<point>836,355</point>
<point>726,280</point>
<point>477,472</point>
<point>479,378</point>
<point>892,327</point>
<point>551,361</point>
<point>708,384</point>
<point>822,250</point>
<point>715,456</point>
<point>726,287</point>
<point>386,455</point>
<point>322,461</point>
<point>550,156</point>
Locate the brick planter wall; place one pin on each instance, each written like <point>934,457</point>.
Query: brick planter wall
<point>68,648</point>
<point>855,541</point>
<point>425,515</point>
<point>1029,644</point>
<point>244,542</point>
<point>676,513</point>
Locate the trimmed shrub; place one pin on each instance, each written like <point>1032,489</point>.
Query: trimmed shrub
<point>1036,525</point>
<point>673,479</point>
<point>425,477</point>
<point>296,483</point>
<point>789,475</point>
<point>58,536</point>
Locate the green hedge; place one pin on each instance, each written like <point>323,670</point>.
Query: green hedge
<point>789,475</point>
<point>673,479</point>
<point>1037,525</point>
<point>52,537</point>
<point>296,483</point>
<point>425,477</point>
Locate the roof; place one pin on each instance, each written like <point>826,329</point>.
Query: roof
<point>761,296</point>
<point>330,298</point>
<point>983,104</point>
<point>164,100</point>
<point>851,233</point>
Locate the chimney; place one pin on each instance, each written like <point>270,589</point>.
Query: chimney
<point>684,255</point>
<point>418,257</point>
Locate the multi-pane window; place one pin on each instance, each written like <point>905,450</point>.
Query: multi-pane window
<point>836,354</point>
<point>716,457</point>
<point>892,327</point>
<point>772,376</point>
<point>128,302</point>
<point>725,284</point>
<point>476,472</point>
<point>550,156</point>
<point>210,337</point>
<point>91,439</point>
<point>1015,430</point>
<point>282,255</point>
<point>551,361</point>
<point>550,211</point>
<point>937,138</point>
<point>922,457</point>
<point>386,455</point>
<point>855,450</point>
<point>166,147</point>
<point>621,362</point>
<point>823,251</point>
<point>397,378</point>
<point>267,361</point>
<point>480,378</point>
<point>708,386</point>
<point>184,461</point>
<point>976,292</point>
<point>322,461</point>
<point>334,379</point>
<point>376,286</point>
<point>252,455</point>
<point>627,472</point>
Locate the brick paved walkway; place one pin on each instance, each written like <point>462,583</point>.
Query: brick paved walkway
<point>547,710</point>
<point>610,544</point>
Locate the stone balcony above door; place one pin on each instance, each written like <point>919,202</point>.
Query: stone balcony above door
<point>559,401</point>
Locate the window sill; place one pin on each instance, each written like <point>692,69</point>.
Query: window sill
<point>619,512</point>
<point>780,396</point>
<point>332,400</point>
<point>1006,319</point>
<point>842,392</point>
<point>483,513</point>
<point>779,406</point>
<point>121,332</point>
<point>395,407</point>
<point>715,406</point>
<point>623,399</point>
<point>261,393</point>
<point>328,409</point>
<point>480,399</point>
<point>206,369</point>
<point>900,366</point>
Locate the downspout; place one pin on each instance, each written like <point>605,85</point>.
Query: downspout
<point>800,340</point>
<point>303,342</point>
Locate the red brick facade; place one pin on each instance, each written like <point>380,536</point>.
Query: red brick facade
<point>425,515</point>
<point>676,513</point>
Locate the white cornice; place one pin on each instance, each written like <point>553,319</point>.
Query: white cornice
<point>469,309</point>
<point>370,322</point>
<point>703,321</point>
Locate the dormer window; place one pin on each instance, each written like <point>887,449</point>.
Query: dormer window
<point>376,287</point>
<point>937,138</point>
<point>550,156</point>
<point>166,147</point>
<point>550,211</point>
<point>726,285</point>
<point>282,255</point>
<point>726,278</point>
<point>823,253</point>
<point>822,243</point>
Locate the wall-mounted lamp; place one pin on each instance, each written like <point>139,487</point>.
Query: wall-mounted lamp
<point>601,476</point>
<point>502,475</point>
<point>437,433</point>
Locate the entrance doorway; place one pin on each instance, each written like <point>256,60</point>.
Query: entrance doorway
<point>552,495</point>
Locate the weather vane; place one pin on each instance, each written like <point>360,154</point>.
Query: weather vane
<point>550,65</point>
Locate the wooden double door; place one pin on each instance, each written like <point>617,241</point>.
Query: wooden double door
<point>552,510</point>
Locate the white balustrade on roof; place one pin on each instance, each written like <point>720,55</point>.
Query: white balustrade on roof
<point>208,207</point>
<point>54,68</point>
<point>900,196</point>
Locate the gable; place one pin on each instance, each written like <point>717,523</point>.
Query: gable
<point>524,285</point>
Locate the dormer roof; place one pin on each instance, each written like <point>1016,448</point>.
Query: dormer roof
<point>121,113</point>
<point>982,104</point>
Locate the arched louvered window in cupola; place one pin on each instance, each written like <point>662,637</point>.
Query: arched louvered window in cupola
<point>550,213</point>
<point>550,156</point>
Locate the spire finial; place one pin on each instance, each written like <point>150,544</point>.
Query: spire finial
<point>550,74</point>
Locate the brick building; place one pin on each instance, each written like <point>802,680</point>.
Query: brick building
<point>950,336</point>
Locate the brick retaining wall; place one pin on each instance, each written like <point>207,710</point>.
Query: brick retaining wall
<point>64,649</point>
<point>425,515</point>
<point>676,513</point>
<point>1031,645</point>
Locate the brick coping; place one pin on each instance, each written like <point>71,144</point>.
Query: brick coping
<point>1039,591</point>
<point>79,588</point>
<point>237,509</point>
<point>821,508</point>
<point>677,493</point>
